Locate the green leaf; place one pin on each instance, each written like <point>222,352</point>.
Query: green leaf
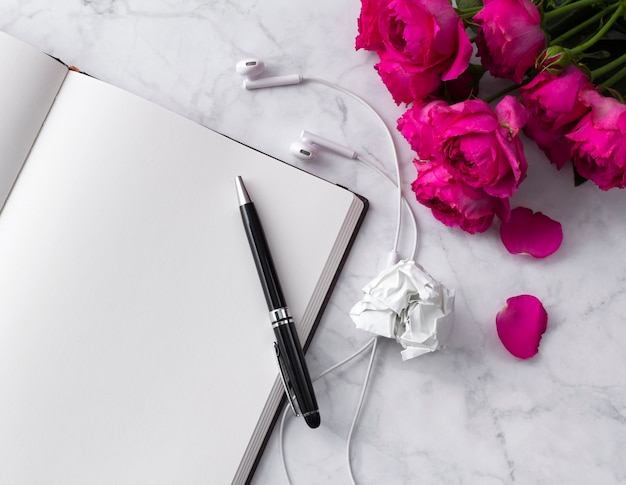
<point>467,4</point>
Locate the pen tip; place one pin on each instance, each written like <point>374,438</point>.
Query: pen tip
<point>313,419</point>
<point>242,193</point>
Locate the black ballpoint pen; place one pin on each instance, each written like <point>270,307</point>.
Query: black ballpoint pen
<point>289,352</point>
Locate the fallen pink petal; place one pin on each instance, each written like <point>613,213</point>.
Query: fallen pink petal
<point>520,325</point>
<point>533,233</point>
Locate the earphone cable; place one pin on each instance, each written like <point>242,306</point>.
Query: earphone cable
<point>412,217</point>
<point>373,342</point>
<point>359,405</point>
<point>391,141</point>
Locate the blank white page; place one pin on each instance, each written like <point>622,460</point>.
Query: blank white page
<point>135,345</point>
<point>29,81</point>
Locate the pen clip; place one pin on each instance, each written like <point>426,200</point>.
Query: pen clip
<point>286,383</point>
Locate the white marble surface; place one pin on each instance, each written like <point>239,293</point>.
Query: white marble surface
<point>470,414</point>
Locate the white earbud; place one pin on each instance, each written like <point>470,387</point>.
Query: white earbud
<point>303,150</point>
<point>306,147</point>
<point>251,69</point>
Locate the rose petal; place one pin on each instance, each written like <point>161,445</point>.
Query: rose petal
<point>520,325</point>
<point>533,233</point>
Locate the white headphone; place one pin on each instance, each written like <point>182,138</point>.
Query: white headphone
<point>306,148</point>
<point>251,69</point>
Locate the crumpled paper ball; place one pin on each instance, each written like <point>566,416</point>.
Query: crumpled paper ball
<point>406,303</point>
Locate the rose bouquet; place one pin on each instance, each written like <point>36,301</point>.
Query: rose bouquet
<point>563,68</point>
<point>565,60</point>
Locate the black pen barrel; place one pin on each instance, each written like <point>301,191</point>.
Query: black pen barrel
<point>291,350</point>
<point>262,257</point>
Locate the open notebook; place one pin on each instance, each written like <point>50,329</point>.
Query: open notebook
<point>135,345</point>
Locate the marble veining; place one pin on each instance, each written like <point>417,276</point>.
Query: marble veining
<point>471,414</point>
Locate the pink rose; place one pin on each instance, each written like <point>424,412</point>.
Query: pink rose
<point>599,139</point>
<point>423,43</point>
<point>554,108</point>
<point>416,125</point>
<point>509,38</point>
<point>479,147</point>
<point>369,37</point>
<point>454,203</point>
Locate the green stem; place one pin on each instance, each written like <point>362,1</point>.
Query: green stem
<point>559,40</point>
<point>614,78</point>
<point>601,71</point>
<point>552,14</point>
<point>600,33</point>
<point>501,93</point>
